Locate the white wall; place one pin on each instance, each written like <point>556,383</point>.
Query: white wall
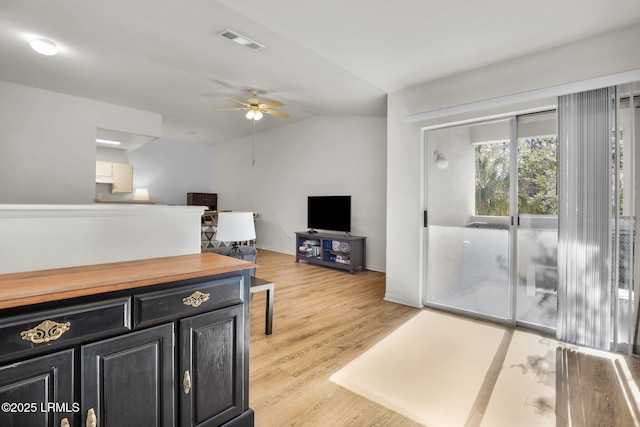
<point>47,185</point>
<point>106,154</point>
<point>608,54</point>
<point>46,154</point>
<point>320,156</point>
<point>47,143</point>
<point>171,169</point>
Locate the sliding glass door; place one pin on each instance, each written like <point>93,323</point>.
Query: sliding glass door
<point>492,219</point>
<point>537,225</point>
<point>468,217</point>
<point>514,235</point>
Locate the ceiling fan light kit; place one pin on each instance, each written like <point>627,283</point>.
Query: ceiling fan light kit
<point>255,108</point>
<point>254,114</point>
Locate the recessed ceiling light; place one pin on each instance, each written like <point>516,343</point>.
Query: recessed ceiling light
<point>107,141</point>
<point>44,46</point>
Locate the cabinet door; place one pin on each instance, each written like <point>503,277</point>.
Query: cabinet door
<point>129,380</point>
<point>104,169</point>
<point>122,178</point>
<point>38,392</point>
<point>211,367</point>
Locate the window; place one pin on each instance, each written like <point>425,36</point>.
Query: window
<point>538,176</point>
<point>492,179</point>
<point>537,173</point>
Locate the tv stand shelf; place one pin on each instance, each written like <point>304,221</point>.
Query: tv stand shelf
<point>332,250</point>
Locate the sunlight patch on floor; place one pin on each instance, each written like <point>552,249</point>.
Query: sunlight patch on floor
<point>437,370</point>
<point>430,369</point>
<point>525,391</point>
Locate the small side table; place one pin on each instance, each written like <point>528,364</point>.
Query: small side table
<point>258,285</point>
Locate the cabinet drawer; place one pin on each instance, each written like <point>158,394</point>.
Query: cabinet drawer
<point>47,329</point>
<point>153,307</point>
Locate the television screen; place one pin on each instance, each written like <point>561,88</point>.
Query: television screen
<point>329,213</point>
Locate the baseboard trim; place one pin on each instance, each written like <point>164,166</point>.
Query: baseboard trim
<point>268,248</point>
<point>403,301</point>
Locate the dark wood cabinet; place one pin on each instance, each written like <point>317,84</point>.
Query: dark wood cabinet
<point>211,366</point>
<point>210,200</point>
<point>171,354</point>
<point>129,380</point>
<point>38,392</point>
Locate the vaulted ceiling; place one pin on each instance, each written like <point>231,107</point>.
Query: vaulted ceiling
<point>330,57</point>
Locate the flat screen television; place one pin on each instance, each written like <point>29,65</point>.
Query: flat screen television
<point>331,213</point>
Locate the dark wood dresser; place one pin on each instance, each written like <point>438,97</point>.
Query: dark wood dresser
<point>157,342</point>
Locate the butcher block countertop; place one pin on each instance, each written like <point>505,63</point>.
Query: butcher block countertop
<point>33,287</point>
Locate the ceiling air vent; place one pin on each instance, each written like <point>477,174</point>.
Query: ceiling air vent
<point>242,40</point>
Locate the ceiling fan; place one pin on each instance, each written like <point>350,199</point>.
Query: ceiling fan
<point>255,108</point>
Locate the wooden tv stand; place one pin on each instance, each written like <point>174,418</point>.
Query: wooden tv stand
<point>333,250</point>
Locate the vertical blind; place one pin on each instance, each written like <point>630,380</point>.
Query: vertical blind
<point>584,218</point>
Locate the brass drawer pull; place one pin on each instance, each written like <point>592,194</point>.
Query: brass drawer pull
<point>195,299</point>
<point>91,418</point>
<point>45,332</point>
<point>186,382</point>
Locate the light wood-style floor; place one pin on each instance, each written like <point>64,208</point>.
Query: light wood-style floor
<point>326,318</point>
<point>323,319</point>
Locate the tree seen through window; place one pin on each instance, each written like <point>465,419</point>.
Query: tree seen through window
<point>537,173</point>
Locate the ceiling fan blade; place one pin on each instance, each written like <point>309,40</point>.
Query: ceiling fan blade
<point>238,102</point>
<point>272,104</point>
<point>276,113</point>
<point>230,109</point>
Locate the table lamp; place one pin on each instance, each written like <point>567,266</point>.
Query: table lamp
<point>235,227</point>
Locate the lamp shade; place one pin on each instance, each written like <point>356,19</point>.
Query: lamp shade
<point>235,227</point>
<point>141,194</point>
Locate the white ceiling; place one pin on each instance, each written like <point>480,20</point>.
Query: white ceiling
<point>330,57</point>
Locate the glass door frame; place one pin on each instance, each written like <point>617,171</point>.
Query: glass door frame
<point>515,219</point>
